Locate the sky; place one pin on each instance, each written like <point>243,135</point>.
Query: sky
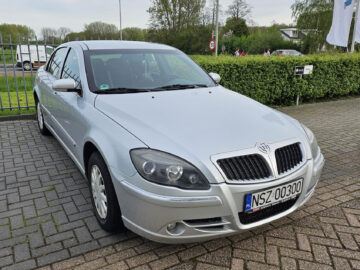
<point>74,14</point>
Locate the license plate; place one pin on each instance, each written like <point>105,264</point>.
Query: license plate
<point>266,198</point>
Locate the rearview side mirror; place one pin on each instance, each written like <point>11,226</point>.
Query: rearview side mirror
<point>216,77</point>
<point>65,85</point>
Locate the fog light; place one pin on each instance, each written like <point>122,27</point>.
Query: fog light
<point>171,227</point>
<point>176,228</point>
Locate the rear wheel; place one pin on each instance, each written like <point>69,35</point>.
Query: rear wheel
<point>27,66</point>
<point>103,196</point>
<point>40,120</point>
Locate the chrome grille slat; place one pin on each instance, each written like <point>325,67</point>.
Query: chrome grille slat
<point>253,166</point>
<point>288,157</point>
<point>258,167</point>
<point>243,170</point>
<point>240,170</point>
<point>248,166</point>
<point>233,168</point>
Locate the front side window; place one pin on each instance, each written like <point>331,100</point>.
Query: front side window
<point>71,68</point>
<point>56,62</point>
<point>143,70</point>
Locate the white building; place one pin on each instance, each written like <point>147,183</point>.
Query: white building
<point>293,34</point>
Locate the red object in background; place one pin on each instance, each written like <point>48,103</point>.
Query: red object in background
<point>212,45</point>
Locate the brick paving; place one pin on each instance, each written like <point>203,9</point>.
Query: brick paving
<point>46,218</point>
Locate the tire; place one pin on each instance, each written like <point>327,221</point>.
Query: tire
<point>27,66</point>
<point>107,211</point>
<point>40,120</point>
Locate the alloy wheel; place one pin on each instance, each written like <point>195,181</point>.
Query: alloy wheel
<point>98,192</point>
<point>40,116</point>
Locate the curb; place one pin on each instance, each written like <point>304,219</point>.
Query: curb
<point>17,117</point>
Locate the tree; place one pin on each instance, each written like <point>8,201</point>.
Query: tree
<point>191,40</point>
<point>239,9</point>
<point>314,15</point>
<point>175,15</point>
<point>62,32</point>
<point>76,36</point>
<point>48,33</point>
<point>16,30</point>
<point>237,26</point>
<point>258,41</point>
<point>101,30</point>
<point>133,33</point>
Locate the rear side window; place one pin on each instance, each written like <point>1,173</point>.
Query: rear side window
<point>71,68</point>
<point>55,64</point>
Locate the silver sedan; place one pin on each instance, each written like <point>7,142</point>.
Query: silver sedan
<point>168,152</point>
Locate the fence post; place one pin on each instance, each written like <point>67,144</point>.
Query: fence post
<point>22,69</point>
<point>1,104</point>
<point>37,51</point>
<point>14,71</point>
<point>45,46</point>
<point>5,69</point>
<point>31,65</point>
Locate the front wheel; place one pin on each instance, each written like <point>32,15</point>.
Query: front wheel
<point>103,196</point>
<point>40,120</point>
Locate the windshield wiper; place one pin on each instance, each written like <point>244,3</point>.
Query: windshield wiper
<point>121,91</point>
<point>179,87</point>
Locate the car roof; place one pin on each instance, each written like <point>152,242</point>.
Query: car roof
<point>117,44</point>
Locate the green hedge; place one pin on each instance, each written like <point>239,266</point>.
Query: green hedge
<point>271,80</point>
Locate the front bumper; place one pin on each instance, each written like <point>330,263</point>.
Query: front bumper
<point>200,215</point>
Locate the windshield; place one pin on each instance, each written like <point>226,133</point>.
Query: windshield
<point>143,70</point>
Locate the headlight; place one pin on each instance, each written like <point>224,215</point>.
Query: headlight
<point>312,140</point>
<point>166,169</point>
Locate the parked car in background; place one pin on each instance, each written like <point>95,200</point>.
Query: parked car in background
<point>167,151</point>
<point>37,56</point>
<point>286,53</point>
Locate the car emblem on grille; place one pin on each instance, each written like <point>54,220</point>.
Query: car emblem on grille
<point>264,148</point>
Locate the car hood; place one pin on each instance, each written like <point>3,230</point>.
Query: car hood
<point>196,124</point>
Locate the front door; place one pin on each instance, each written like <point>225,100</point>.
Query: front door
<point>70,106</point>
<point>52,73</point>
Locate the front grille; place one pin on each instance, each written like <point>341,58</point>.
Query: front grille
<point>246,218</point>
<point>249,167</point>
<point>288,157</point>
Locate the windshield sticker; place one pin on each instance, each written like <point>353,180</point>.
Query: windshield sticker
<point>104,86</point>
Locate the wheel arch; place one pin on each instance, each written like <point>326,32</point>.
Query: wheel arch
<point>36,93</point>
<point>36,98</point>
<point>89,148</point>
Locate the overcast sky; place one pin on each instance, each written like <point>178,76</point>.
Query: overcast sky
<point>76,13</point>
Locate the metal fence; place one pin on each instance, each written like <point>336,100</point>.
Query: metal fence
<point>20,58</point>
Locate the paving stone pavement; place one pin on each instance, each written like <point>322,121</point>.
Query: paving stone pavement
<point>46,218</point>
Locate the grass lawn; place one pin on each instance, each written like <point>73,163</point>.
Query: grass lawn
<point>13,95</point>
<point>17,112</point>
<point>7,54</point>
<point>13,98</point>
